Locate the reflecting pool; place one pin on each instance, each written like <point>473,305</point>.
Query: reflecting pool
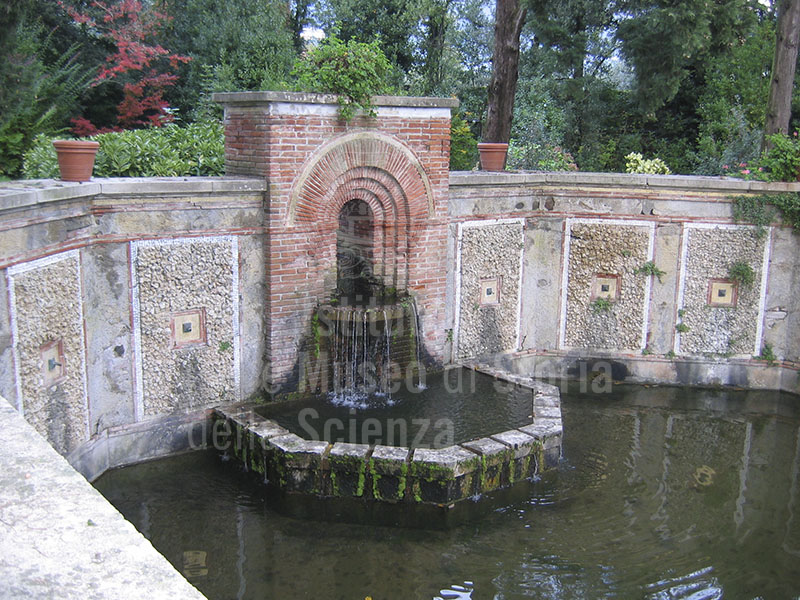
<point>662,493</point>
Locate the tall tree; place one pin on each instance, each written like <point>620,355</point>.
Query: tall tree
<point>138,62</point>
<point>435,22</point>
<point>234,45</point>
<point>779,105</point>
<point>393,21</point>
<point>509,19</point>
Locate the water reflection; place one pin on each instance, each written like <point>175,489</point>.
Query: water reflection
<point>662,494</point>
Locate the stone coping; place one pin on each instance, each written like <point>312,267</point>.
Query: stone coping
<point>29,192</point>
<point>60,538</point>
<point>694,183</point>
<point>396,474</point>
<point>273,97</point>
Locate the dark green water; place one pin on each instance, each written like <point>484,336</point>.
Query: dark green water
<point>453,406</point>
<point>663,493</point>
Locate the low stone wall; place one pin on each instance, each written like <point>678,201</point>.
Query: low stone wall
<point>59,538</point>
<point>439,476</point>
<point>121,307</point>
<point>626,271</point>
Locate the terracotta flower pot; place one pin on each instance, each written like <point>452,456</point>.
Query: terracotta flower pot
<point>493,155</point>
<point>76,159</point>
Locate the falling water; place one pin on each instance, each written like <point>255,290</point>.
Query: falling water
<point>361,347</point>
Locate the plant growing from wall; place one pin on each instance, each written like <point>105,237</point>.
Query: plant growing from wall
<point>682,327</point>
<point>742,273</point>
<point>601,305</point>
<point>651,270</point>
<point>759,209</point>
<point>768,354</point>
<point>353,70</point>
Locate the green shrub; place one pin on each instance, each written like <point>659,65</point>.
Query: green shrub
<point>354,70</point>
<point>170,151</point>
<point>463,146</point>
<point>539,157</point>
<point>782,160</point>
<point>635,163</point>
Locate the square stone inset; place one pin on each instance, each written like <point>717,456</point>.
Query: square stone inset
<point>722,292</point>
<point>490,291</point>
<point>52,361</point>
<point>188,328</point>
<point>606,285</point>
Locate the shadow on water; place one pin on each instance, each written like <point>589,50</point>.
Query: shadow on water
<point>662,493</point>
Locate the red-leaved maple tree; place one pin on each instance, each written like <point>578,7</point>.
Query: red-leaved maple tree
<point>143,68</point>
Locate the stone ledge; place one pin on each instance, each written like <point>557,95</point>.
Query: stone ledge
<point>724,185</point>
<point>27,193</point>
<point>272,97</point>
<point>60,538</point>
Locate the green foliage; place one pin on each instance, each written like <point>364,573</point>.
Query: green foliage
<point>635,163</point>
<point>650,269</point>
<point>539,157</point>
<point>234,45</point>
<point>463,146</point>
<point>782,160</point>
<point>170,151</point>
<point>36,96</point>
<point>355,71</point>
<point>670,355</point>
<point>768,354</point>
<point>742,273</point>
<point>758,209</point>
<point>731,106</point>
<point>682,327</point>
<point>600,305</point>
<point>393,21</point>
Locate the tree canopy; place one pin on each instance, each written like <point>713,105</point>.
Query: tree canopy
<point>687,81</point>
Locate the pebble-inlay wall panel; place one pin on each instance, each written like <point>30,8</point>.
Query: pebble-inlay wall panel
<point>186,323</point>
<point>488,305</point>
<point>47,327</point>
<point>727,324</point>
<point>605,298</point>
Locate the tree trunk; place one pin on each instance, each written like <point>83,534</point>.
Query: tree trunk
<point>509,18</point>
<point>436,25</point>
<point>779,105</point>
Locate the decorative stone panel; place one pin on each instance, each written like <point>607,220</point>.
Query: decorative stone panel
<point>716,314</point>
<point>47,330</point>
<point>604,299</point>
<point>185,323</point>
<point>489,270</point>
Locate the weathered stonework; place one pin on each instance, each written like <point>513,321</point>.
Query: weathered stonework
<point>710,326</point>
<point>602,254</point>
<point>489,261</point>
<point>47,323</point>
<point>192,281</point>
<point>388,474</point>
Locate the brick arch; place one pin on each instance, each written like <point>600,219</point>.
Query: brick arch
<point>361,156</point>
<point>390,220</point>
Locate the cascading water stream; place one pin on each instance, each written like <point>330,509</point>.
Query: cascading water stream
<point>361,347</point>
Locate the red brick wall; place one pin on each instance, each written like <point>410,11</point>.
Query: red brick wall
<point>399,165</point>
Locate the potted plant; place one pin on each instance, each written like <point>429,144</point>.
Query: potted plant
<point>76,159</point>
<point>493,155</point>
